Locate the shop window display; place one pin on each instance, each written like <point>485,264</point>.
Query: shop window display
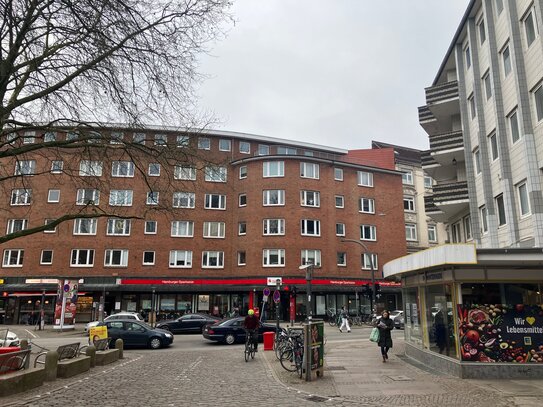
<point>439,319</point>
<point>412,321</point>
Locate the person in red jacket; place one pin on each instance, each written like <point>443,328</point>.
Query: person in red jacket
<point>251,324</point>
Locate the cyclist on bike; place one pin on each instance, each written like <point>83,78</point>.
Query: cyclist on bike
<point>251,324</point>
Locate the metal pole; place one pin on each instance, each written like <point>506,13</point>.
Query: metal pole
<point>102,305</point>
<point>278,307</point>
<point>307,353</point>
<point>42,311</point>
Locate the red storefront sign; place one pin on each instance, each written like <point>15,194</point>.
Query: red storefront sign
<point>255,281</point>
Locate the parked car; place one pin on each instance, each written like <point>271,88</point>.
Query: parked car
<point>399,322</point>
<point>136,334</point>
<point>120,315</point>
<point>231,330</point>
<point>188,323</point>
<point>8,338</point>
<point>393,315</point>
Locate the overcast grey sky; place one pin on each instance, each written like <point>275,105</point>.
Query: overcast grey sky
<point>334,72</point>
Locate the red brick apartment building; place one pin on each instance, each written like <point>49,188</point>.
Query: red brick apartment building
<point>202,235</point>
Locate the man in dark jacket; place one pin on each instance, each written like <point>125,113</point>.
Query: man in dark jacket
<point>251,324</point>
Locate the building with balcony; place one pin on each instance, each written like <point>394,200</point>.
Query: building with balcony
<point>207,234</point>
<point>421,231</point>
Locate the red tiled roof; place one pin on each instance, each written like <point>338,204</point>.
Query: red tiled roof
<point>382,158</point>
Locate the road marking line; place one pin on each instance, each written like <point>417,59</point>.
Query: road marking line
<point>33,335</point>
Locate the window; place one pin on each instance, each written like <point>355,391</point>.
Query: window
<point>499,6</point>
<point>273,257</point>
<point>513,126</point>
<point>310,198</point>
<point>467,228</point>
<point>468,57</point>
<point>16,225</point>
<point>215,201</point>
<point>482,32</point>
<point>183,141</point>
<point>21,196</point>
<point>367,205</point>
<point>152,198</point>
<point>538,95</point>
<point>244,147</point>
<point>407,177</point>
<point>116,258</point>
<point>501,210</point>
<point>57,166</point>
<point>243,172</point>
<point>118,227</point>
<point>506,58</point>
<point>409,204</point>
<point>150,227</point>
<point>493,140</point>
<point>477,160</point>
<point>204,143</point>
<point>341,258</point>
<point>274,227</point>
<point>338,174</point>
<point>25,167</point>
<point>242,228</point>
<point>340,229</point>
<point>309,170</point>
<point>122,169</point>
<point>139,138</point>
<point>50,229</point>
<point>309,153</point>
<point>120,197</point>
<point>311,256</point>
<point>215,174</point>
<point>473,111</point>
<point>181,258</point>
<point>225,145</point>
<point>46,257</point>
<point>212,259</point>
<point>365,179</point>
<point>242,259</point>
<point>116,138</point>
<point>13,258</point>
<point>82,258</point>
<point>148,258</point>
<point>242,200</point>
<point>84,226</point>
<point>184,199</point>
<point>154,170</point>
<point>369,261</point>
<point>529,27</point>
<point>90,168</point>
<point>432,233</point>
<point>524,202</point>
<point>286,150</point>
<point>340,202</point>
<point>72,136</point>
<point>53,196</point>
<point>484,219</point>
<point>49,136</point>
<point>428,182</point>
<point>161,140</point>
<point>263,149</point>
<point>214,229</point>
<point>311,227</point>
<point>185,172</point>
<point>455,233</point>
<point>88,197</point>
<point>29,137</point>
<point>182,228</point>
<point>488,86</point>
<point>410,231</point>
<point>273,169</point>
<point>368,232</point>
<point>273,197</point>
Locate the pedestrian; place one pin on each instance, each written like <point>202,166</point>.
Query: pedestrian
<point>344,320</point>
<point>385,325</point>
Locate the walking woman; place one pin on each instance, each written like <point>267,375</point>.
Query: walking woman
<point>385,325</point>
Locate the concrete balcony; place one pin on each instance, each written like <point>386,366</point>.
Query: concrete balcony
<point>442,103</point>
<point>447,200</point>
<point>447,148</point>
<point>442,93</point>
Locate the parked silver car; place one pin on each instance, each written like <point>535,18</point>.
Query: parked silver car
<point>120,315</point>
<point>8,338</point>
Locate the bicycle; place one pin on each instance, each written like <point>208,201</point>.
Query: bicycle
<point>292,356</point>
<point>249,345</point>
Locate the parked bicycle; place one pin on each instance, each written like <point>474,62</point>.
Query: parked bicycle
<point>292,356</point>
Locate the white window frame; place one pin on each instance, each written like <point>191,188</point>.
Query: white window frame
<point>57,166</point>
<point>214,230</point>
<point>46,222</point>
<point>340,229</point>
<point>263,149</point>
<point>365,179</point>
<point>338,174</point>
<point>456,235</point>
<point>121,197</point>
<point>410,200</point>
<point>411,232</point>
<point>428,182</point>
<point>494,148</point>
<point>310,256</point>
<point>344,255</point>
<point>305,226</point>
<point>209,201</point>
<point>284,150</point>
<point>339,205</point>
<point>180,256</point>
<point>25,167</point>
<point>310,198</point>
<point>467,228</point>
<point>182,141</point>
<point>138,138</point>
<point>204,143</point>
<point>309,170</point>
<point>530,35</point>
<point>268,194</point>
<point>90,229</point>
<point>366,263</point>
<point>225,145</point>
<point>367,205</point>
<point>49,136</point>
<point>245,147</point>
<point>89,258</point>
<point>13,258</point>
<point>267,256</point>
<point>273,169</point>
<point>116,137</point>
<point>477,161</point>
<point>215,173</point>
<point>482,31</point>
<point>185,172</point>
<point>146,229</point>
<point>118,227</point>
<point>467,56</point>
<point>538,102</point>
<point>21,197</point>
<point>88,168</point>
<point>46,263</point>
<point>212,256</point>
<point>29,137</point>
<point>524,210</point>
<point>110,258</point>
<point>242,200</point>
<point>122,169</point>
<point>432,230</point>
<point>242,261</point>
<point>407,177</point>
<point>484,219</point>
<point>182,228</point>
<point>269,225</point>
<point>153,170</point>
<point>185,200</point>
<point>472,107</point>
<point>16,225</point>
<point>242,228</point>
<point>488,85</point>
<point>148,263</point>
<point>500,198</point>
<point>368,232</point>
<point>82,198</point>
<point>161,140</point>
<point>507,64</point>
<point>152,198</point>
<point>243,172</point>
<point>513,122</point>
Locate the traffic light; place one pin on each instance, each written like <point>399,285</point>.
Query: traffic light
<point>377,290</point>
<point>366,291</point>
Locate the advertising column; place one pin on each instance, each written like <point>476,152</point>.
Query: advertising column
<point>66,304</point>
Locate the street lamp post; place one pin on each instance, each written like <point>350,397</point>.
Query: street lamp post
<point>307,357</point>
<point>278,305</point>
<point>372,268</point>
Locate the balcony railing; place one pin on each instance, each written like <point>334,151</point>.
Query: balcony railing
<point>454,191</point>
<point>446,141</point>
<point>427,160</point>
<point>425,115</point>
<point>441,92</point>
<point>429,205</point>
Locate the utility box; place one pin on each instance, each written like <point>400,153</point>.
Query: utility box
<point>269,338</point>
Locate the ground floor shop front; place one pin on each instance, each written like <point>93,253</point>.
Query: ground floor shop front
<point>23,300</point>
<point>474,313</point>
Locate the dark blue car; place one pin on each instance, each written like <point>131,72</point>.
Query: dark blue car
<point>230,331</point>
<point>137,334</point>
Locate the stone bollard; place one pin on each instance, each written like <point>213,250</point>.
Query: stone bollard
<point>51,365</point>
<point>91,351</point>
<point>23,344</point>
<point>119,344</point>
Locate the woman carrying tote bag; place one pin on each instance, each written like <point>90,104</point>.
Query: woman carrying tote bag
<point>385,326</point>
